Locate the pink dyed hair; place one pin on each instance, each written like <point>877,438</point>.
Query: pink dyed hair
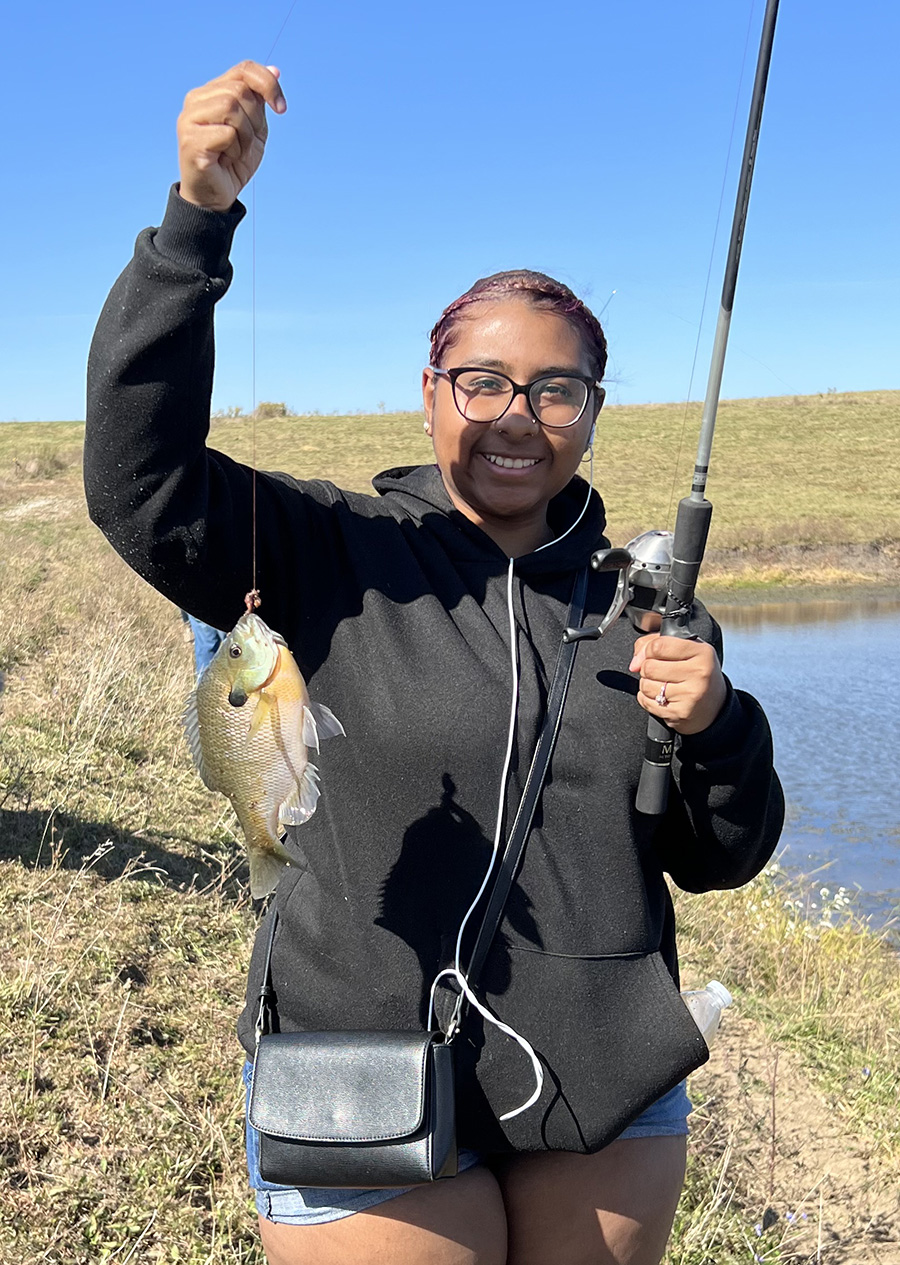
<point>532,287</point>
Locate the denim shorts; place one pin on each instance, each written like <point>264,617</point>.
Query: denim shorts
<point>292,1205</point>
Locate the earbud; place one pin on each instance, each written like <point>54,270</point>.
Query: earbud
<point>591,435</point>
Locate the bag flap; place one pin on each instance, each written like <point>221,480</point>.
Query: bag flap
<point>340,1086</point>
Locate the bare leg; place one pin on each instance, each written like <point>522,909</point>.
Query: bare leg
<point>612,1208</point>
<point>457,1222</point>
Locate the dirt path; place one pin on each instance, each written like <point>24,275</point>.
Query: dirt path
<point>819,1191</point>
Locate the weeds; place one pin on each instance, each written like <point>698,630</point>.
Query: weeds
<point>119,1068</point>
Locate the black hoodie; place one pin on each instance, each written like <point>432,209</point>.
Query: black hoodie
<point>396,609</point>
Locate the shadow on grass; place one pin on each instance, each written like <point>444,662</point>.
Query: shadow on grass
<point>56,839</point>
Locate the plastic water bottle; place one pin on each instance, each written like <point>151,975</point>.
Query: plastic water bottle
<point>706,1006</point>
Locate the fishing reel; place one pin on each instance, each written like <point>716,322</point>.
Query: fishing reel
<point>644,567</point>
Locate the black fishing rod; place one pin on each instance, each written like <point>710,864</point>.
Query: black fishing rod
<point>695,511</point>
<point>658,570</point>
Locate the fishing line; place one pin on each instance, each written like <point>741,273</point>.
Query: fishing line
<point>253,600</point>
<point>712,251</point>
<point>677,316</point>
<point>606,304</point>
<point>281,32</point>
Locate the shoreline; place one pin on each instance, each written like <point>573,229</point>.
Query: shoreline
<point>718,593</point>
<point>822,572</point>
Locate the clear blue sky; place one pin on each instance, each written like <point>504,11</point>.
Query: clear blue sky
<point>426,145</point>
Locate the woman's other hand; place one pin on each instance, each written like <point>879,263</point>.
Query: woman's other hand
<point>695,688</point>
<point>222,132</point>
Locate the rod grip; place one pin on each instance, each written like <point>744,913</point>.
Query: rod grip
<point>653,788</point>
<point>691,531</point>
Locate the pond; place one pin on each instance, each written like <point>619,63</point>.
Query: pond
<point>828,676</point>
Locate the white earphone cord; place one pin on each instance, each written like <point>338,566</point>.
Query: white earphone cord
<point>455,971</point>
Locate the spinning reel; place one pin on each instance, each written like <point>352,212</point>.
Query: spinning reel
<point>644,567</point>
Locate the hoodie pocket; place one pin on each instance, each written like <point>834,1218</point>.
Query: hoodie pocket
<point>612,1034</point>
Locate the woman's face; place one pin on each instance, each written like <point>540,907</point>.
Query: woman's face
<point>509,503</point>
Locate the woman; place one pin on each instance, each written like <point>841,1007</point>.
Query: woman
<point>403,611</point>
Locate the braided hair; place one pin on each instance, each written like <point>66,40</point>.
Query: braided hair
<point>535,288</point>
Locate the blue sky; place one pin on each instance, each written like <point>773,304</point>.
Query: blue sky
<point>427,145</point>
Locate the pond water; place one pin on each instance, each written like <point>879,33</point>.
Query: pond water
<point>828,676</point>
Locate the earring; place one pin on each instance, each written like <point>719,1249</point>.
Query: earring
<point>425,427</point>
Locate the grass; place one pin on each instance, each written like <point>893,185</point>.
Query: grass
<point>805,470</point>
<point>825,992</point>
<point>122,892</point>
<point>122,1114</point>
<point>823,989</point>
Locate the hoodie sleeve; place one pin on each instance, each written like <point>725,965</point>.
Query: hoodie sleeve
<point>726,808</point>
<point>179,514</point>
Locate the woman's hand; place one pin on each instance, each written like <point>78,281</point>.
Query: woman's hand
<point>222,132</point>
<point>695,688</point>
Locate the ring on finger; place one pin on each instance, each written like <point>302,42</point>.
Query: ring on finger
<point>661,696</point>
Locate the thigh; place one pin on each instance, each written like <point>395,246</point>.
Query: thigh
<point>457,1222</point>
<point>612,1208</point>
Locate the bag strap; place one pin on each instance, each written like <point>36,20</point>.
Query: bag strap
<point>518,837</point>
<point>265,1014</point>
<point>534,784</point>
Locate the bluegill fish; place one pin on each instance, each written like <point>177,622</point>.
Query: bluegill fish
<point>251,725</point>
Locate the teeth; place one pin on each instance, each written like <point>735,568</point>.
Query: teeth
<point>512,463</point>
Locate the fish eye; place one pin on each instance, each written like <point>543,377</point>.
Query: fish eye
<point>235,652</point>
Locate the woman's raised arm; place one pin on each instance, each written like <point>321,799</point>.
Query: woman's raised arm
<point>182,517</point>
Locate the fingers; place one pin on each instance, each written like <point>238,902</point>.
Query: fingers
<point>681,681</point>
<point>222,133</point>
<point>662,699</point>
<point>241,112</point>
<point>250,80</point>
<point>667,649</point>
<point>263,80</point>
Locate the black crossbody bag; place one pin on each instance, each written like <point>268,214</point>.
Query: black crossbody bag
<point>377,1109</point>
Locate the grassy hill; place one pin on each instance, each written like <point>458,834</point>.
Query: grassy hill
<point>805,489</point>
<point>127,926</point>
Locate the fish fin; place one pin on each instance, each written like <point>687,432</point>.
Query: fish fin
<point>282,853</point>
<point>301,803</point>
<point>191,722</point>
<point>266,868</point>
<point>327,724</point>
<point>263,707</point>
<point>310,733</point>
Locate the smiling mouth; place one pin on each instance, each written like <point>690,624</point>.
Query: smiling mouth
<point>511,463</point>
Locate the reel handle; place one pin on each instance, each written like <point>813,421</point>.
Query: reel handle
<point>611,560</point>
<point>606,560</point>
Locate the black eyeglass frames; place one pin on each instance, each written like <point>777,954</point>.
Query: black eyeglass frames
<point>484,395</point>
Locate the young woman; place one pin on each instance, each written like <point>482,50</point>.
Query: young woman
<point>428,619</point>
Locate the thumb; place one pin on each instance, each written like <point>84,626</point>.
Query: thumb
<point>277,101</point>
<point>640,652</point>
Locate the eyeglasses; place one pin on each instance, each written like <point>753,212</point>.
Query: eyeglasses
<point>484,395</point>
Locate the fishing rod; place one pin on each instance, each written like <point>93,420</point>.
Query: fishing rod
<point>659,570</point>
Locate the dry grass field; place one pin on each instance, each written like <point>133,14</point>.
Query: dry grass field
<point>127,927</point>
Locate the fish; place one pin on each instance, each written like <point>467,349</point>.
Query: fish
<point>250,725</point>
